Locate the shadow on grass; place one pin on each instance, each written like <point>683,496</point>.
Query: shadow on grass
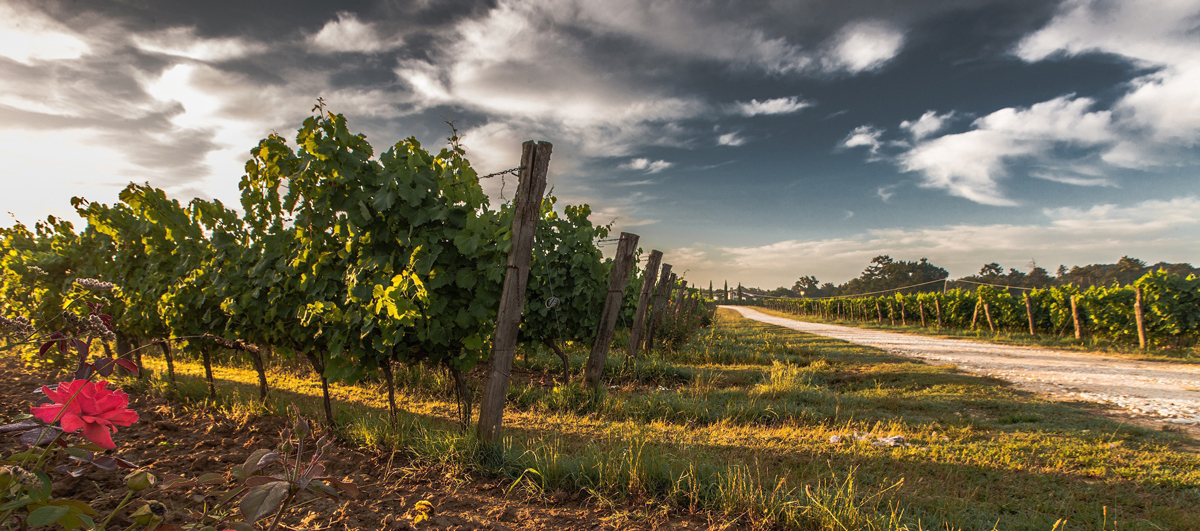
<point>1012,459</point>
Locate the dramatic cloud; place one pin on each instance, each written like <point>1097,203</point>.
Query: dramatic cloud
<point>28,36</point>
<point>1163,107</point>
<point>786,105</point>
<point>864,136</point>
<point>646,165</point>
<point>1152,230</point>
<point>1155,123</point>
<point>971,164</point>
<point>928,124</point>
<point>730,139</point>
<point>863,46</point>
<point>348,34</point>
<point>183,42</point>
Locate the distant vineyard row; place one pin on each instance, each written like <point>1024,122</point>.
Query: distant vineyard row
<point>1167,306</point>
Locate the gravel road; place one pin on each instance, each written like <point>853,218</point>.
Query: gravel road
<point>1167,392</point>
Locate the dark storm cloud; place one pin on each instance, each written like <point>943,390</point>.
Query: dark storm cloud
<point>653,97</point>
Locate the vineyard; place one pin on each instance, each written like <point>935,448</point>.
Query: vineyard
<point>386,295</point>
<point>1159,310</point>
<point>360,264</point>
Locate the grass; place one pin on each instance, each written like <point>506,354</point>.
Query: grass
<point>1008,337</point>
<point>738,422</point>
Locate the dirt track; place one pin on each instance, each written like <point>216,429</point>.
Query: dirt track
<point>1167,392</point>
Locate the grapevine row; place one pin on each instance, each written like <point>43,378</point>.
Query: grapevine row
<point>1168,306</point>
<point>348,259</point>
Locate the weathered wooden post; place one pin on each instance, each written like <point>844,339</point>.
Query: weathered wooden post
<point>937,305</point>
<point>618,279</point>
<point>921,308</point>
<point>535,162</point>
<point>639,317</point>
<point>987,312</point>
<point>1140,315</point>
<point>878,313</point>
<point>1075,317</point>
<point>679,295</point>
<point>1029,313</point>
<point>660,303</point>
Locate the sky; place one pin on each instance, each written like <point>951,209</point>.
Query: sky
<point>752,142</point>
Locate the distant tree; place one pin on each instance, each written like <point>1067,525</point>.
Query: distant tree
<point>1062,271</point>
<point>884,273</point>
<point>877,267</point>
<point>806,286</point>
<point>1039,278</point>
<point>991,270</point>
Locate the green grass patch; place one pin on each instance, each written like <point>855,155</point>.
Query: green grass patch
<point>739,422</point>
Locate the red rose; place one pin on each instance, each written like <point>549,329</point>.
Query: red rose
<point>88,406</point>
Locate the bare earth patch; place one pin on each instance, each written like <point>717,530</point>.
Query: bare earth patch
<point>169,438</point>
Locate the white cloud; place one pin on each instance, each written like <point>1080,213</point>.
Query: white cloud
<point>510,66</point>
<point>929,123</point>
<point>730,139</point>
<point>1161,110</point>
<point>348,34</point>
<point>1155,123</point>
<point>885,193</point>
<point>646,165</point>
<point>863,46</point>
<point>1151,230</point>
<point>864,136</point>
<point>772,106</point>
<point>971,164</point>
<point>183,42</point>
<point>29,36</point>
<point>1073,179</point>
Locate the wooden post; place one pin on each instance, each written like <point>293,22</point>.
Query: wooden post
<point>937,305</point>
<point>878,313</point>
<point>903,317</point>
<point>1140,316</point>
<point>618,279</point>
<point>660,303</point>
<point>1075,317</point>
<point>988,313</point>
<point>639,318</point>
<point>921,308</point>
<point>975,316</point>
<point>679,295</point>
<point>535,162</point>
<point>891,314</point>
<point>1029,313</point>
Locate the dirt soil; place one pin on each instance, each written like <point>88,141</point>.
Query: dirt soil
<point>1159,394</point>
<point>192,442</point>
